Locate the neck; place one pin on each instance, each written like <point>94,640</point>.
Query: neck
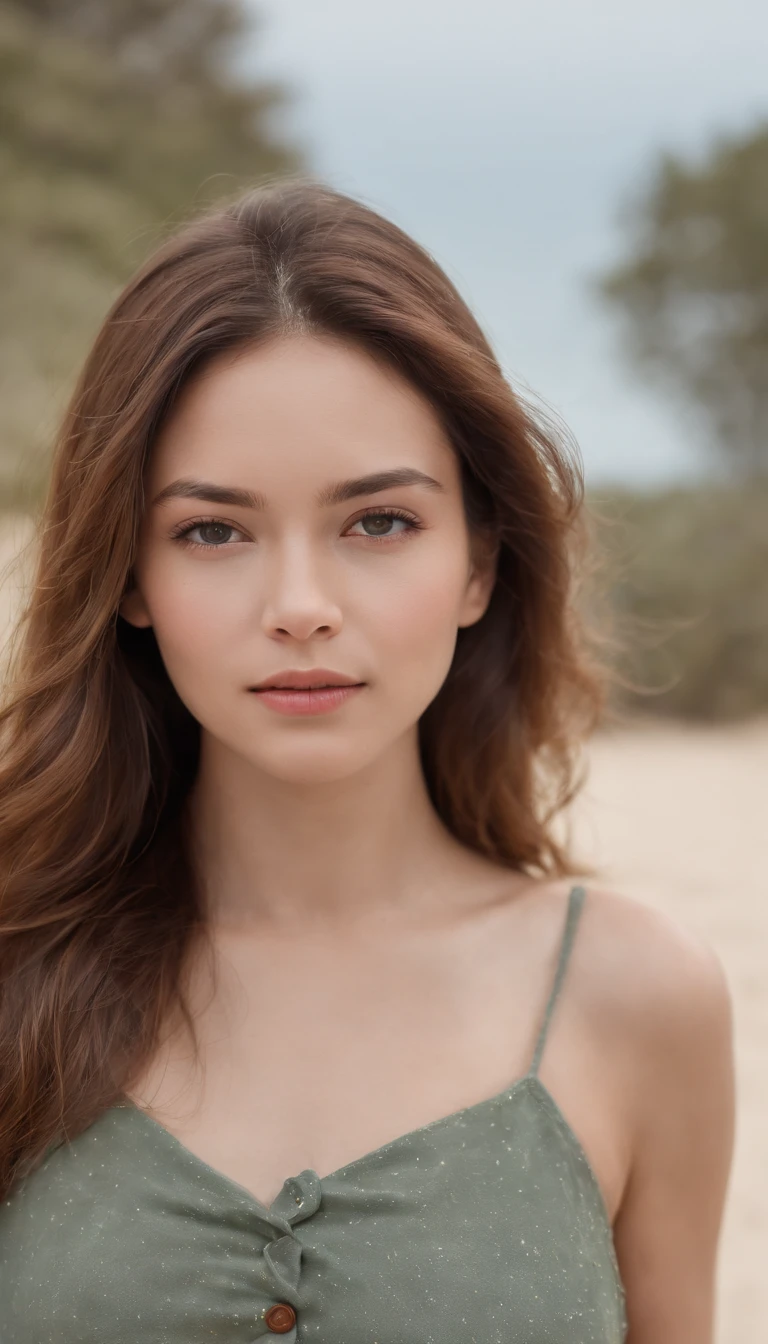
<point>273,852</point>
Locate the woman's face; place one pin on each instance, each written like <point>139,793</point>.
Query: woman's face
<point>277,537</point>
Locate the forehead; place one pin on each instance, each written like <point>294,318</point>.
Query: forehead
<point>314,405</point>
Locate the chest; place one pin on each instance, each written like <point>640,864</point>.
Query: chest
<point>318,1060</point>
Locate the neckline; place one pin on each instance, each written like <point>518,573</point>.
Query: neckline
<point>530,1080</point>
<point>221,1178</point>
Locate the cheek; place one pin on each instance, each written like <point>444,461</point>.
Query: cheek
<point>416,624</point>
<point>196,622</point>
<point>193,612</point>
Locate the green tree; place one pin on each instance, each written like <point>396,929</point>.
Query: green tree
<point>116,120</point>
<point>687,580</point>
<point>693,292</point>
<point>167,39</point>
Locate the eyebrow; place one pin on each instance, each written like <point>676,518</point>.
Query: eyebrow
<point>336,493</point>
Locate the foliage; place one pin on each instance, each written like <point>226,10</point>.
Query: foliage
<point>693,292</point>
<point>116,120</point>
<point>687,573</point>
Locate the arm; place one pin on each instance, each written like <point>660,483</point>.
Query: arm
<point>667,1229</point>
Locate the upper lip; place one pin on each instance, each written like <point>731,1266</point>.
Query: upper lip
<point>301,681</point>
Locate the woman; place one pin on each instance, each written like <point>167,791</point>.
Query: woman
<point>299,697</point>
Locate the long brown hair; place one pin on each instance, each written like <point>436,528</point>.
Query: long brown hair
<point>98,901</point>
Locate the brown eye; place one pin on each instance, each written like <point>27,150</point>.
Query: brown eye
<point>209,534</point>
<point>212,534</point>
<point>379,524</point>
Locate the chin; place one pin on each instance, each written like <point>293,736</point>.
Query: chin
<point>302,767</point>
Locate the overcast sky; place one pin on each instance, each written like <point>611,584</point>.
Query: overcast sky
<point>504,135</point>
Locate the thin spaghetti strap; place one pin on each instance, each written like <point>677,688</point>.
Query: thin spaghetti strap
<point>575,902</point>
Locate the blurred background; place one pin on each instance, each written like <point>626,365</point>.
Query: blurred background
<point>594,179</point>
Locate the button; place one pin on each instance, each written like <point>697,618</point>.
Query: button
<point>281,1318</point>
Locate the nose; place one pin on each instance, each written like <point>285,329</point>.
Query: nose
<point>298,599</point>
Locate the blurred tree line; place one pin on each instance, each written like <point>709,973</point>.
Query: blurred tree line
<point>693,293</point>
<point>687,587</point>
<point>690,565</point>
<point>118,117</point>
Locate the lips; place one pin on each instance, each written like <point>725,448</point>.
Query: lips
<point>319,686</point>
<point>308,701</point>
<point>294,679</point>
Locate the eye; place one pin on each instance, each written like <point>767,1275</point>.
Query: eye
<point>213,533</point>
<point>381,519</point>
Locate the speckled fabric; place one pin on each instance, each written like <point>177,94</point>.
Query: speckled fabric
<point>486,1226</point>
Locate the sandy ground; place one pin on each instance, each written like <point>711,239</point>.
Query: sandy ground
<point>676,816</point>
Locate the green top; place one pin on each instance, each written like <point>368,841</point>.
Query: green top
<point>486,1226</point>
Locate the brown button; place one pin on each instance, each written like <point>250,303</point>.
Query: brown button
<point>281,1318</point>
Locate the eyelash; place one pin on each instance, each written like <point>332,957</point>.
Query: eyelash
<point>181,534</point>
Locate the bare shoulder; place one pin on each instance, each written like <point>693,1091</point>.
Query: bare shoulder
<point>656,997</point>
<point>662,978</point>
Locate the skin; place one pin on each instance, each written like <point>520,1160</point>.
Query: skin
<point>411,974</point>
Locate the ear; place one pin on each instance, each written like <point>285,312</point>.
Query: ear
<point>133,609</point>
<point>482,577</point>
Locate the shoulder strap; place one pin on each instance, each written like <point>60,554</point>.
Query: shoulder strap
<point>575,902</point>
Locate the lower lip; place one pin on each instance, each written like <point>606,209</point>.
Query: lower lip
<point>308,702</point>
